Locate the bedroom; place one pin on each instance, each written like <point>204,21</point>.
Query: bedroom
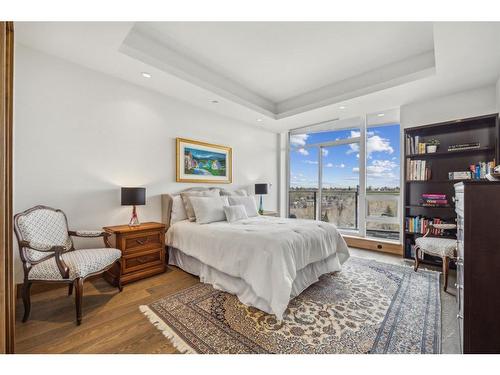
<point>236,187</point>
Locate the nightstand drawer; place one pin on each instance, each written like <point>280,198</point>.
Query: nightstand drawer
<point>142,241</point>
<point>146,259</point>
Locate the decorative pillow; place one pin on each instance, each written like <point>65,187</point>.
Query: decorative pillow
<point>208,209</point>
<point>187,203</point>
<point>178,210</point>
<point>235,213</point>
<point>239,192</point>
<point>248,202</point>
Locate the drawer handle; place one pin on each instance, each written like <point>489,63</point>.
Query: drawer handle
<point>141,242</point>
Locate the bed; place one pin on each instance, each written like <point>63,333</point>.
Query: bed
<point>264,261</point>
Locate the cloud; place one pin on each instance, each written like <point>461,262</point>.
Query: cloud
<point>298,140</point>
<point>310,162</point>
<point>378,144</point>
<point>380,169</point>
<point>375,143</point>
<point>331,165</point>
<point>324,151</point>
<point>303,151</point>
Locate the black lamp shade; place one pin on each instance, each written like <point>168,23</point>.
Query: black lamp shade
<point>261,189</point>
<point>133,196</point>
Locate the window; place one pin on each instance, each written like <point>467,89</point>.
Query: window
<point>383,181</point>
<point>348,173</point>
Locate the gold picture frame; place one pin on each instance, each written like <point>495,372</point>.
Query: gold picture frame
<point>202,162</point>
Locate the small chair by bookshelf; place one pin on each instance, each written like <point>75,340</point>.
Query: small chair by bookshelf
<point>446,248</point>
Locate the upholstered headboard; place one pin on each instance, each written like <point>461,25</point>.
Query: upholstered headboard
<point>167,199</point>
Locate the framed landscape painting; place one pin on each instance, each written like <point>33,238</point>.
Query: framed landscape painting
<point>203,162</point>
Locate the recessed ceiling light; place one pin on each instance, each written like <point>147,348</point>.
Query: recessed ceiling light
<point>342,107</point>
<point>214,101</point>
<point>146,75</point>
<point>381,115</point>
<point>259,120</point>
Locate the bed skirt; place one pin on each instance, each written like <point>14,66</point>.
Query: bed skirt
<point>237,286</point>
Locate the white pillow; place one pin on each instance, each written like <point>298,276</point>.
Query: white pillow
<point>208,209</point>
<point>239,192</point>
<point>186,198</point>
<point>178,211</point>
<point>248,202</point>
<point>235,213</point>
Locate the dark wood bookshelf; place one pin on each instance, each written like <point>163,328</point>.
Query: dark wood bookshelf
<point>483,130</point>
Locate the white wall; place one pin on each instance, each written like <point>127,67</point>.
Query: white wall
<point>464,104</point>
<point>80,135</point>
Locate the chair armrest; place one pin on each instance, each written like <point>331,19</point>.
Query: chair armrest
<point>57,250</point>
<point>40,247</point>
<point>87,233</point>
<point>92,234</point>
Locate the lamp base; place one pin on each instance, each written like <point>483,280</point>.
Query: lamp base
<point>261,207</point>
<point>134,220</point>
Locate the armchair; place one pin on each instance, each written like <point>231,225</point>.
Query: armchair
<point>48,255</point>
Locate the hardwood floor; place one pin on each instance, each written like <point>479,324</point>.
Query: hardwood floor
<point>112,322</point>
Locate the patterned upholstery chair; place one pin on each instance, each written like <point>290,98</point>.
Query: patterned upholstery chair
<point>48,255</point>
<point>446,248</point>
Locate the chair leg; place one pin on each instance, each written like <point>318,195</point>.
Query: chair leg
<point>417,263</point>
<point>119,281</point>
<point>446,264</point>
<point>78,299</point>
<point>70,289</point>
<point>26,300</point>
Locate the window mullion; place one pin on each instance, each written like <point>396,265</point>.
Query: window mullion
<point>362,180</point>
<point>320,182</point>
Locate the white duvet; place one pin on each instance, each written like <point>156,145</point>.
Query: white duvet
<point>267,253</point>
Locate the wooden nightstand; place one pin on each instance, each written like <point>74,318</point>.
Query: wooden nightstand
<point>143,251</point>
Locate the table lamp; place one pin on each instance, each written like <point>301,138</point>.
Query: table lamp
<point>261,189</point>
<point>133,196</point>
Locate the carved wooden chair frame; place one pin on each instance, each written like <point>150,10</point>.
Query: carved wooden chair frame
<point>446,259</point>
<point>57,252</point>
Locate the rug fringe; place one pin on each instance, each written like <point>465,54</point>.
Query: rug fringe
<point>176,341</point>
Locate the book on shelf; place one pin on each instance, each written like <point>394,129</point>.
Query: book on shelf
<point>414,146</point>
<point>418,170</point>
<point>420,225</point>
<point>464,146</point>
<point>434,200</point>
<point>465,175</point>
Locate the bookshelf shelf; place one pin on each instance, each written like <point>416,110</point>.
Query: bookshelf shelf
<point>430,207</point>
<point>483,130</point>
<point>446,154</point>
<point>441,181</point>
<point>414,234</point>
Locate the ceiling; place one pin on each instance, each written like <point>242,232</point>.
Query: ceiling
<point>283,74</point>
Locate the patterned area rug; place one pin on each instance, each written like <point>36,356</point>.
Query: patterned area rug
<point>368,307</point>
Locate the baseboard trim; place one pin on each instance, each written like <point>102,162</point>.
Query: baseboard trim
<point>374,245</point>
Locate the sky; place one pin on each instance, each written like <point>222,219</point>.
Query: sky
<point>341,163</point>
